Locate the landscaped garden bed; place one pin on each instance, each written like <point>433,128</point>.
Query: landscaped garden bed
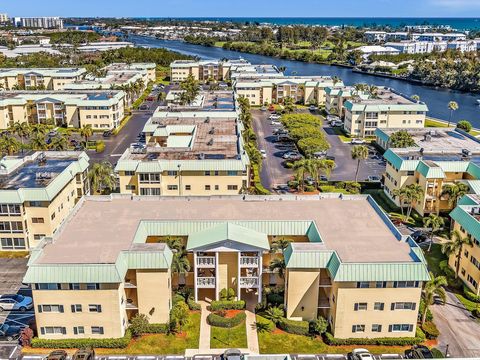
<point>228,329</point>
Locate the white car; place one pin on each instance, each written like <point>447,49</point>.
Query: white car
<point>274,117</point>
<point>357,142</point>
<point>331,118</point>
<point>336,123</point>
<point>275,123</point>
<point>312,108</point>
<point>264,153</point>
<point>360,354</point>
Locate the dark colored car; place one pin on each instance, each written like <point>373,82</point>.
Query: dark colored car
<point>79,147</point>
<point>84,354</point>
<point>57,355</point>
<point>418,352</point>
<point>419,236</point>
<point>107,133</point>
<point>9,332</point>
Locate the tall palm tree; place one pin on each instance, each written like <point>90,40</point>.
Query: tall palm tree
<point>180,264</point>
<point>37,142</point>
<point>435,223</point>
<point>454,192</point>
<point>280,244</point>
<point>455,247</point>
<point>372,90</point>
<point>413,195</point>
<point>174,243</point>
<point>359,153</point>
<point>39,129</point>
<point>300,169</point>
<point>59,143</point>
<point>416,97</point>
<point>335,80</point>
<point>23,130</point>
<point>278,265</point>
<point>9,145</point>
<point>102,177</point>
<point>434,287</point>
<point>452,106</point>
<point>86,132</point>
<point>401,193</point>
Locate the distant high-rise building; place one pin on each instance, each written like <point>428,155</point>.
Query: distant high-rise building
<point>3,18</point>
<point>50,22</point>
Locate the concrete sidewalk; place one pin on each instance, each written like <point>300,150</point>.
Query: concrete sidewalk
<point>252,336</point>
<point>204,341</point>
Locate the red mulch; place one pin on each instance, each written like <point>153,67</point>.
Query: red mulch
<point>278,331</point>
<point>231,313</point>
<point>431,343</point>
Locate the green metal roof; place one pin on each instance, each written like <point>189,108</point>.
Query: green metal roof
<point>306,259</point>
<point>462,215</point>
<point>228,232</point>
<point>185,165</point>
<point>473,170</point>
<point>382,135</point>
<point>430,171</point>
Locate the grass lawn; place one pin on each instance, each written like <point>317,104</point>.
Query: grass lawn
<point>382,200</point>
<point>469,305</point>
<point>434,257</point>
<point>429,122</point>
<point>224,338</point>
<point>13,254</point>
<point>344,138</point>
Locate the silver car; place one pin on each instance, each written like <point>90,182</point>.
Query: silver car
<point>15,302</point>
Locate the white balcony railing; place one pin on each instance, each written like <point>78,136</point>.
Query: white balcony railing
<point>249,282</point>
<point>206,261</point>
<point>249,261</point>
<point>206,282</point>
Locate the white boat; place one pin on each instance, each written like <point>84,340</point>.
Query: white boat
<point>478,101</point>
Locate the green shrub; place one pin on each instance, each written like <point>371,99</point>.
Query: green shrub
<point>227,305</point>
<point>263,324</point>
<point>177,298</point>
<point>470,295</point>
<point>227,294</point>
<point>437,354</point>
<point>421,308</point>
<point>402,341</point>
<point>100,147</point>
<point>430,330</point>
<point>220,321</point>
<point>275,299</point>
<point>319,325</point>
<point>138,324</point>
<point>156,329</point>
<point>194,306</point>
<point>446,269</point>
<point>294,327</point>
<point>83,343</point>
<point>309,188</point>
<point>464,125</point>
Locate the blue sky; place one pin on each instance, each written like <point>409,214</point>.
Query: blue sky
<point>244,8</point>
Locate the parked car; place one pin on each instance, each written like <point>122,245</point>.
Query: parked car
<point>336,123</point>
<point>84,354</point>
<point>52,133</point>
<point>264,153</point>
<point>320,154</point>
<point>9,332</point>
<point>331,118</point>
<point>57,355</point>
<point>73,142</point>
<point>323,178</point>
<point>290,154</point>
<point>360,354</point>
<point>263,108</point>
<point>330,157</point>
<point>275,123</point>
<point>271,108</point>
<point>282,189</point>
<point>15,302</point>
<point>419,236</point>
<point>274,117</point>
<point>107,134</point>
<point>279,131</point>
<point>79,147</point>
<point>312,108</point>
<point>373,178</point>
<point>357,142</point>
<point>418,352</point>
<point>144,107</point>
<point>232,354</point>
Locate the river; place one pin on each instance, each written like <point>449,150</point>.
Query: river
<point>437,99</point>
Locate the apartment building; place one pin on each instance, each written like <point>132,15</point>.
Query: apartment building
<point>385,109</point>
<point>440,157</point>
<point>466,220</point>
<point>206,70</point>
<point>352,266</point>
<point>335,98</point>
<point>100,109</point>
<point>39,79</point>
<point>302,89</point>
<point>46,22</point>
<point>381,36</point>
<point>37,193</point>
<point>3,18</point>
<point>418,47</point>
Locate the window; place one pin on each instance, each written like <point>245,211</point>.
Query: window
<point>76,308</point>
<point>404,306</point>
<point>472,281</point>
<point>207,187</point>
<point>216,173</point>
<point>150,191</point>
<point>381,284</point>
<point>400,327</point>
<point>53,330</point>
<point>36,204</point>
<point>97,330</point>
<point>10,209</point>
<point>12,244</point>
<point>130,187</point>
<point>363,284</point>
<point>93,286</point>
<point>38,236</point>
<point>95,308</point>
<point>207,173</point>
<point>405,284</point>
<point>53,216</point>
<point>172,173</point>
<point>149,178</point>
<point>172,187</point>
<point>360,306</point>
<point>47,286</point>
<point>358,328</point>
<point>38,220</point>
<point>474,261</point>
<point>74,286</point>
<point>379,306</point>
<point>232,187</point>
<point>376,328</point>
<point>188,187</point>
<point>231,173</point>
<point>410,173</point>
<point>78,330</point>
<point>129,173</point>
<point>50,308</point>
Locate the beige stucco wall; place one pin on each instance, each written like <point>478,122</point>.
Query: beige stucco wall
<point>227,270</point>
<point>154,294</point>
<point>302,291</point>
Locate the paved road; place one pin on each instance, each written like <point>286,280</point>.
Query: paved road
<point>11,275</point>
<point>457,328</point>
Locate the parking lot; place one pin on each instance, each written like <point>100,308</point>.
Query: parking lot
<point>274,173</point>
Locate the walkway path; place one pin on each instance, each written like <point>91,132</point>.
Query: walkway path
<point>204,342</point>
<point>252,337</point>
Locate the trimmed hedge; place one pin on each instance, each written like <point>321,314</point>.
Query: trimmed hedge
<point>157,329</point>
<point>220,321</point>
<point>192,305</point>
<point>82,343</point>
<point>294,327</point>
<point>227,305</point>
<point>470,295</point>
<point>402,341</point>
<point>430,330</point>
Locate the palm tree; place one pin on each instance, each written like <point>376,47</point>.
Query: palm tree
<point>9,145</point>
<point>413,195</point>
<point>58,143</point>
<point>102,177</point>
<point>37,142</point>
<point>289,105</point>
<point>174,243</point>
<point>372,90</point>
<point>454,192</point>
<point>416,97</point>
<point>434,287</point>
<point>359,152</point>
<point>435,223</point>
<point>280,244</point>
<point>180,264</point>
<point>335,80</point>
<point>23,130</point>
<point>39,129</point>
<point>274,314</point>
<point>86,132</point>
<point>300,169</point>
<point>278,265</point>
<point>452,106</point>
<point>401,193</point>
<point>455,247</point>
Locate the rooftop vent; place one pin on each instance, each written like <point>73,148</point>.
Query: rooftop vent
<point>41,159</point>
<point>212,131</point>
<point>476,210</point>
<point>427,137</point>
<point>210,142</point>
<point>207,119</point>
<point>433,133</point>
<point>201,156</point>
<point>466,152</point>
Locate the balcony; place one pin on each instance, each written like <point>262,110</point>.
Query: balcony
<point>129,285</point>
<point>249,261</point>
<point>130,305</point>
<point>249,282</point>
<point>323,303</point>
<point>206,282</point>
<point>206,261</point>
<point>325,282</point>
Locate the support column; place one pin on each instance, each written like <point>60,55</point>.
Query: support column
<point>216,277</point>
<point>260,275</point>
<point>238,275</point>
<point>195,290</point>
